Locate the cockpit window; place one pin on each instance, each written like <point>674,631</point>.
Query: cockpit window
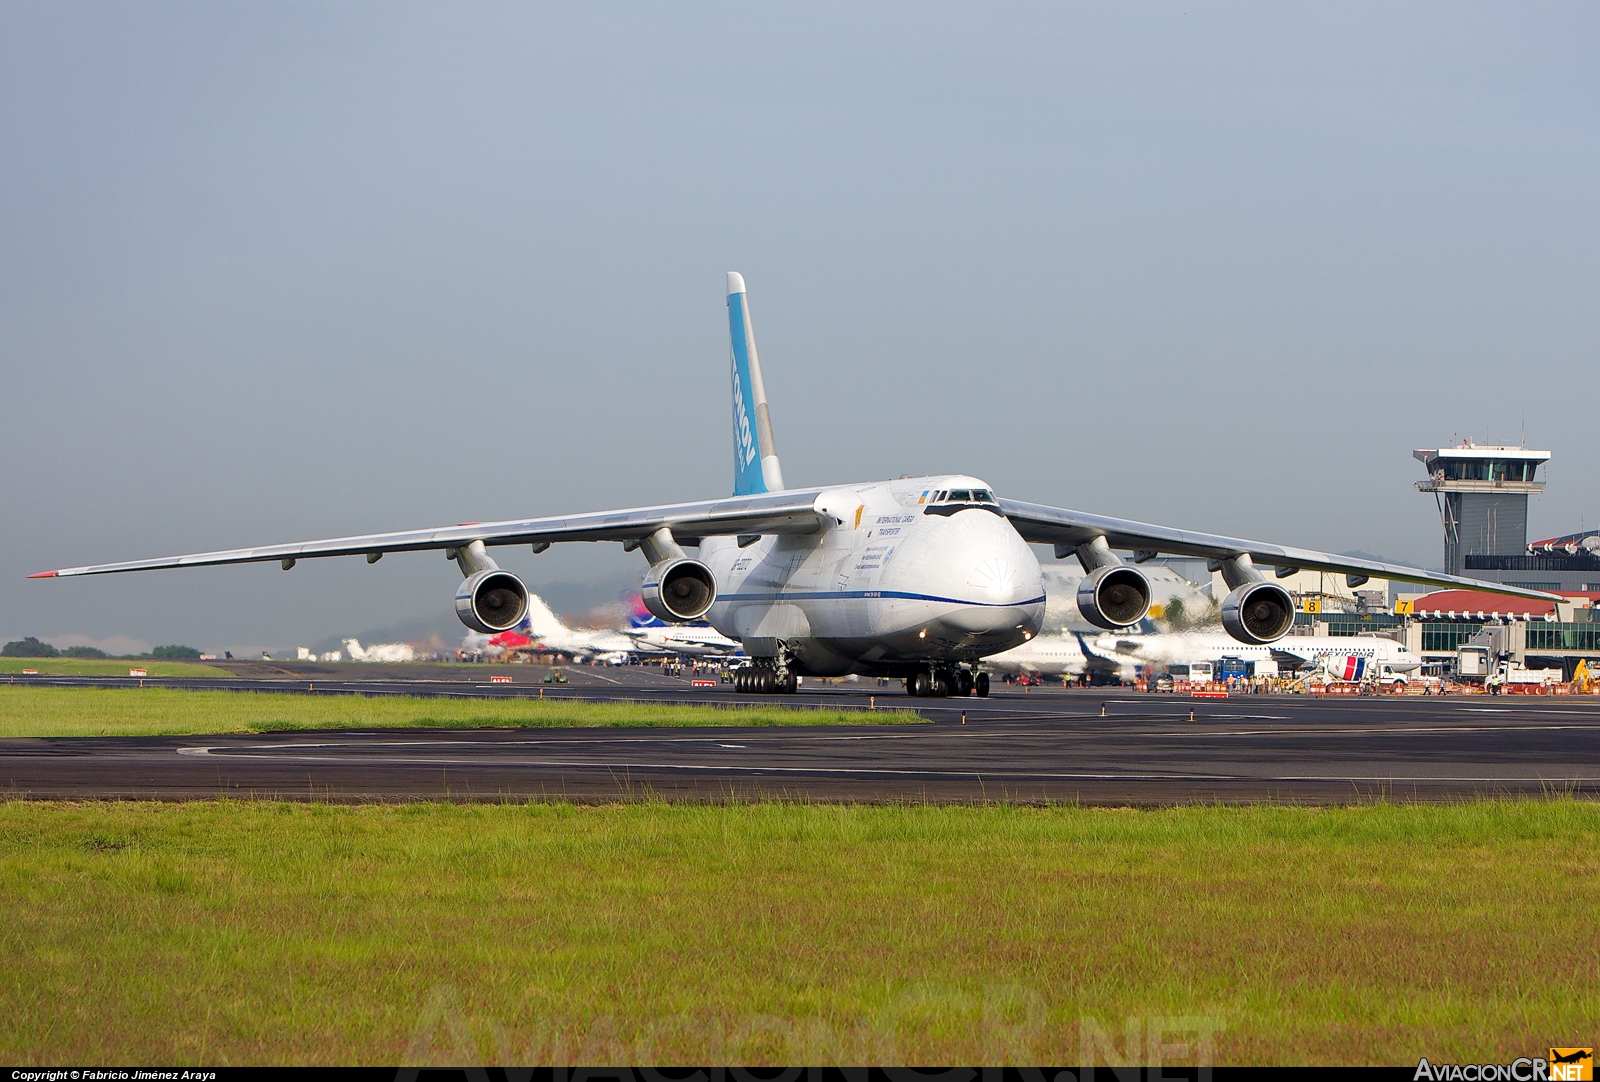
<point>949,501</point>
<point>964,495</point>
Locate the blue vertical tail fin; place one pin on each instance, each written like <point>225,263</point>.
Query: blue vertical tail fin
<point>755,457</point>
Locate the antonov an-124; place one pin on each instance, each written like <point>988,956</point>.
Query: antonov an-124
<point>919,578</point>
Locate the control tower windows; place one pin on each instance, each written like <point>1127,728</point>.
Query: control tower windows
<point>1488,469</point>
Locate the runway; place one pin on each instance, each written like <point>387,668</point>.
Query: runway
<point>1038,746</point>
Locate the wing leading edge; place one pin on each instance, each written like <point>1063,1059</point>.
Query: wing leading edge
<point>779,512</point>
<point>1039,524</point>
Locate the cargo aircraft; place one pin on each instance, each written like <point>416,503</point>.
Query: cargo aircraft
<point>919,578</point>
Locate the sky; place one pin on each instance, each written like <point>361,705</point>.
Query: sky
<point>274,272</point>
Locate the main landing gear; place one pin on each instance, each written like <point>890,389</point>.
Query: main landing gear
<point>939,683</point>
<point>765,676</point>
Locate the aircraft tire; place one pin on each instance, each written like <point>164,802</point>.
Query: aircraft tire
<point>941,686</point>
<point>911,686</point>
<point>766,678</point>
<point>963,683</point>
<point>922,685</point>
<point>980,684</point>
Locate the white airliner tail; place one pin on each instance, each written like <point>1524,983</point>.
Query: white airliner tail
<point>755,456</point>
<point>542,620</point>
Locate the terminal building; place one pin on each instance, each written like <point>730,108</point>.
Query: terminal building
<point>1482,494</point>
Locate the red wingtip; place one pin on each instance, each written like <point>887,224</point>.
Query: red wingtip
<point>43,575</point>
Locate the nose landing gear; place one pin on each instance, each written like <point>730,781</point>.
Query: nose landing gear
<point>940,682</point>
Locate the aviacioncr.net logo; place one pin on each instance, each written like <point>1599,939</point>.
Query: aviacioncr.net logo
<point>1564,1065</point>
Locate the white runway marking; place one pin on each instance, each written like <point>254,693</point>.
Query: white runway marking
<point>297,752</point>
<point>799,737</point>
<point>915,773</point>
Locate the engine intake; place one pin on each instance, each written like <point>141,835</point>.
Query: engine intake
<point>1258,612</point>
<point>491,601</point>
<point>679,590</point>
<point>1114,597</point>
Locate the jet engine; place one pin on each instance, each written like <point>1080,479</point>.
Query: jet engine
<point>1258,612</point>
<point>491,601</point>
<point>1114,597</point>
<point>679,590</point>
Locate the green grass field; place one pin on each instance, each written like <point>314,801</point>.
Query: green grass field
<point>227,933</point>
<point>73,666</point>
<point>33,711</point>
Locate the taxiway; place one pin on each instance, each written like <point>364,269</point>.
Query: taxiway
<point>1092,747</point>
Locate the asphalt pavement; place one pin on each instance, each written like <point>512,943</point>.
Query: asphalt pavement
<point>1106,747</point>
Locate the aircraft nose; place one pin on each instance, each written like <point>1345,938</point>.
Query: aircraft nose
<point>995,580</point>
<point>1004,587</point>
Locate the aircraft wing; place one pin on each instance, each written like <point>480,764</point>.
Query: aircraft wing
<point>1039,524</point>
<point>764,513</point>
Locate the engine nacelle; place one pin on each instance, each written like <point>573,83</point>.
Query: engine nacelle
<point>1258,612</point>
<point>1114,597</point>
<point>679,590</point>
<point>491,601</point>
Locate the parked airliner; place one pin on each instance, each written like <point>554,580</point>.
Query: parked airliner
<point>1379,656</point>
<point>1114,658</point>
<point>686,640</point>
<point>1357,655</point>
<point>918,578</point>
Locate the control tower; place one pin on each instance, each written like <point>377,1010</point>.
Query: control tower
<point>1482,494</point>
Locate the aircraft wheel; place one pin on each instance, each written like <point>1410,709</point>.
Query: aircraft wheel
<point>963,682</point>
<point>981,685</point>
<point>941,685</point>
<point>791,684</point>
<point>922,685</point>
<point>911,685</point>
<point>767,679</point>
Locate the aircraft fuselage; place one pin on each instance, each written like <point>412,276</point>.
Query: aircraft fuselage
<point>896,582</point>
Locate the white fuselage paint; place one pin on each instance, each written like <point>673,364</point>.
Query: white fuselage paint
<point>885,587</point>
<point>1049,655</point>
<point>1392,658</point>
<point>686,640</point>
